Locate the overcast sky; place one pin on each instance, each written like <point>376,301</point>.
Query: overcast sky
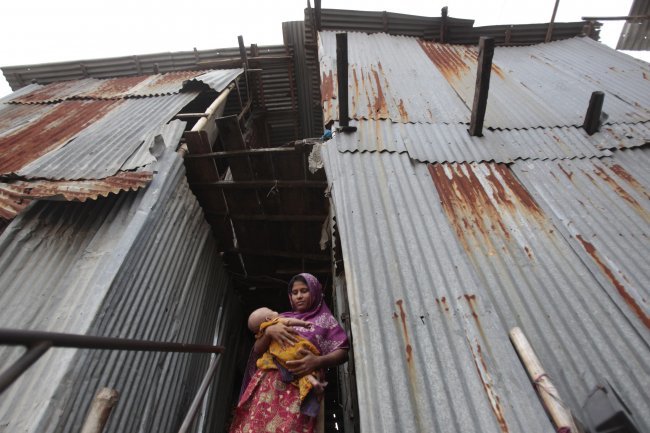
<point>42,31</point>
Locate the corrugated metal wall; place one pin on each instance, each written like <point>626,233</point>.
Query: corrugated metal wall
<point>136,265</point>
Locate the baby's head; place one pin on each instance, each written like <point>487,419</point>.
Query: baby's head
<point>260,316</point>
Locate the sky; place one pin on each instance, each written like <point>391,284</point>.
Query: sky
<point>42,31</point>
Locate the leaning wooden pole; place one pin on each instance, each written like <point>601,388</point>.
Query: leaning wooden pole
<point>594,111</point>
<point>100,410</point>
<point>559,413</point>
<point>485,53</point>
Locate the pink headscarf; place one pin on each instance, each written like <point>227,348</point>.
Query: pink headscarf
<point>326,333</point>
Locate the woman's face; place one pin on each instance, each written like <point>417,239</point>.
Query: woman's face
<point>300,296</point>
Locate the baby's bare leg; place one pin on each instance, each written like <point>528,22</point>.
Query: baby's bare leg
<point>318,386</point>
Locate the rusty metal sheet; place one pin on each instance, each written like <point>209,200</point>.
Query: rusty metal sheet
<point>57,92</point>
<point>104,147</point>
<point>625,136</point>
<point>14,196</point>
<point>389,77</point>
<point>429,235</point>
<point>604,213</point>
<point>49,132</point>
<point>549,84</point>
<point>16,116</point>
<point>429,346</point>
<point>452,143</point>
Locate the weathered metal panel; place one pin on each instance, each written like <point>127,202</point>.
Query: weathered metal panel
<point>549,84</point>
<point>50,131</point>
<point>636,33</point>
<point>452,143</point>
<point>104,147</point>
<point>542,85</point>
<point>387,76</point>
<point>136,265</point>
<point>624,136</point>
<point>16,195</point>
<point>430,354</point>
<point>602,207</point>
<point>474,230</point>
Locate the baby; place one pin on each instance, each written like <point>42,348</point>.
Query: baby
<point>261,319</point>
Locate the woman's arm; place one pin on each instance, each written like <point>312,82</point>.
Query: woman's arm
<point>280,332</point>
<point>311,362</point>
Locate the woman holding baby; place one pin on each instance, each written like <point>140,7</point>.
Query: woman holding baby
<point>281,392</point>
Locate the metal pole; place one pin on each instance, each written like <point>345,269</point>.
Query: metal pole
<point>55,339</point>
<point>198,398</point>
<point>23,363</point>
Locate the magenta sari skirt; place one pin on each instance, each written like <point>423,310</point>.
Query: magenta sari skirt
<point>270,405</point>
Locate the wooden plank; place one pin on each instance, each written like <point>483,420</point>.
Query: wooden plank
<point>277,253</point>
<point>342,77</point>
<point>272,218</point>
<point>443,24</point>
<point>242,51</point>
<point>248,152</point>
<point>594,111</point>
<point>549,32</point>
<point>248,184</point>
<point>485,53</point>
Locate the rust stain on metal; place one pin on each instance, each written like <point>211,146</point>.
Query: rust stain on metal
<point>629,299</point>
<point>528,253</point>
<point>50,131</point>
<point>625,175</point>
<point>161,81</point>
<point>402,315</point>
<point>622,193</point>
<point>442,303</point>
<point>568,174</point>
<point>474,212</point>
<point>488,385</point>
<point>327,87</point>
<point>379,108</point>
<point>49,93</point>
<point>115,88</point>
<point>355,92</point>
<point>645,76</point>
<point>403,114</point>
<point>454,61</point>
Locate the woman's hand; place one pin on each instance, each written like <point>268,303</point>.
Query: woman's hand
<point>305,365</point>
<point>283,334</point>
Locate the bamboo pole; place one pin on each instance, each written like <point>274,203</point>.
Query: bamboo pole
<point>100,410</point>
<point>559,413</point>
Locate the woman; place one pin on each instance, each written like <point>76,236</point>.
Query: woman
<point>267,404</point>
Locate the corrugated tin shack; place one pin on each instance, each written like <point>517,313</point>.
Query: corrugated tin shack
<point>164,196</point>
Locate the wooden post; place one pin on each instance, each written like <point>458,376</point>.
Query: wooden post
<point>317,15</point>
<point>100,410</point>
<point>485,53</point>
<point>443,24</point>
<point>342,78</point>
<point>595,109</point>
<point>549,32</point>
<point>560,415</point>
<point>242,51</point>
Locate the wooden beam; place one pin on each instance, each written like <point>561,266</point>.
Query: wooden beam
<point>317,14</point>
<point>443,24</point>
<point>549,32</point>
<point>249,184</point>
<point>248,152</point>
<point>190,115</point>
<point>595,109</point>
<point>283,254</point>
<point>242,51</point>
<point>272,218</point>
<point>623,18</point>
<point>485,53</point>
<point>342,78</point>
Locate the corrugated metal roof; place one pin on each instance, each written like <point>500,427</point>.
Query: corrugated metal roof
<point>15,196</point>
<point>635,34</point>
<point>526,87</point>
<point>435,267</point>
<point>624,136</point>
<point>602,208</point>
<point>129,87</point>
<point>137,265</point>
<point>452,143</point>
<point>105,146</point>
<point>382,72</point>
<point>44,131</point>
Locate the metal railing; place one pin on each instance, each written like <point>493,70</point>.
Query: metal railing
<point>39,342</point>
